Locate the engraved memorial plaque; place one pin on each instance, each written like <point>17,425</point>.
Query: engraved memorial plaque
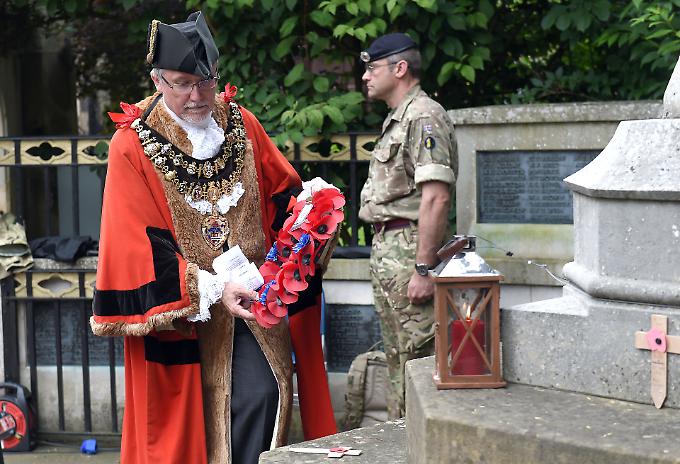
<point>526,187</point>
<point>350,330</point>
<point>73,329</point>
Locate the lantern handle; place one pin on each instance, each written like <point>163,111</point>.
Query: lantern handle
<point>452,247</point>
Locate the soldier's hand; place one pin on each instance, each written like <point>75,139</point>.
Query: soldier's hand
<point>237,300</point>
<point>420,289</point>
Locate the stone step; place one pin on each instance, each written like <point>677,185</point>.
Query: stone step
<point>526,424</point>
<point>383,443</point>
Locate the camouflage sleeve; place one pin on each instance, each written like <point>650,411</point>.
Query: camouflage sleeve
<point>433,149</point>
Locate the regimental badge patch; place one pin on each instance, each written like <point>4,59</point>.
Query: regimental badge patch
<point>429,143</point>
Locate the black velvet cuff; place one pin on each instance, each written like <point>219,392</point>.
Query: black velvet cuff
<point>281,200</point>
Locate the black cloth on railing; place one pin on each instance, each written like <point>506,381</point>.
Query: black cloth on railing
<point>352,252</point>
<point>67,249</point>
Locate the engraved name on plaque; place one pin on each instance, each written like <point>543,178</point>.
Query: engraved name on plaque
<point>526,187</point>
<point>72,327</point>
<point>350,330</point>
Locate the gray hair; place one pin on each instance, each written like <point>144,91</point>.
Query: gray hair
<point>157,72</point>
<point>412,57</point>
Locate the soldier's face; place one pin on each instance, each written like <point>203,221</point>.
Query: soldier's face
<point>194,106</point>
<point>379,78</point>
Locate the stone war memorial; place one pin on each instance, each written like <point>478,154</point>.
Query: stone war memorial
<point>593,376</point>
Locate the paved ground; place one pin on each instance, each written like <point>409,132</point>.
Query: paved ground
<point>70,454</point>
<point>45,454</point>
<point>61,455</point>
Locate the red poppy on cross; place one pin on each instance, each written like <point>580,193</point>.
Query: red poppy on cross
<point>659,343</point>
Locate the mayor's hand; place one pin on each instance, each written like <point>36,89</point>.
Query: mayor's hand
<point>237,299</point>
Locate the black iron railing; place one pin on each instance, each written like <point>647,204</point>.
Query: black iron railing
<point>49,348</point>
<point>57,182</point>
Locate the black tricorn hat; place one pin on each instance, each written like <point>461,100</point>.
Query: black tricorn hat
<point>188,47</point>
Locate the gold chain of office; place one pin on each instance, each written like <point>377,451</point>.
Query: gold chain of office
<point>203,180</point>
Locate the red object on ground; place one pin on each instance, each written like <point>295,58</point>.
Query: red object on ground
<point>470,361</point>
<point>13,425</point>
<point>316,409</point>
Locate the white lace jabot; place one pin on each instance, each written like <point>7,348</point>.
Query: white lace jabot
<point>206,137</point>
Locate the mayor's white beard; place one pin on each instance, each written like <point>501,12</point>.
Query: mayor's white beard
<point>198,114</point>
<point>206,136</point>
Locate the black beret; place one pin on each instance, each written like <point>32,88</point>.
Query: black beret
<point>187,47</point>
<point>387,45</point>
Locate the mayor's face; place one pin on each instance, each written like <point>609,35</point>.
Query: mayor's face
<point>189,96</point>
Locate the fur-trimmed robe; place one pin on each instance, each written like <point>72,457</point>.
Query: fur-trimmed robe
<point>150,251</point>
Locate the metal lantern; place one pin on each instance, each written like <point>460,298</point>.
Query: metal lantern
<point>467,318</point>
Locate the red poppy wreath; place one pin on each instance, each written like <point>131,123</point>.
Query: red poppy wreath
<point>295,254</point>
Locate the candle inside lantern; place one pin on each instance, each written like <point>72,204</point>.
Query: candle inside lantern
<point>470,361</point>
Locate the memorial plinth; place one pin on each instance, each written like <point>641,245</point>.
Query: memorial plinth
<point>627,216</point>
<point>524,424</point>
<point>626,268</point>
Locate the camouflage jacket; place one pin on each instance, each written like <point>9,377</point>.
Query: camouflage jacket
<point>417,145</point>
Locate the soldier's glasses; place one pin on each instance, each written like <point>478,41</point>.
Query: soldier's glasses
<point>185,88</point>
<point>371,67</point>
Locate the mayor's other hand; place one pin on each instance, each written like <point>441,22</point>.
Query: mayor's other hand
<point>237,299</point>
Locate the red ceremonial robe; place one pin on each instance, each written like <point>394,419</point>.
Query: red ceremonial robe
<point>177,383</point>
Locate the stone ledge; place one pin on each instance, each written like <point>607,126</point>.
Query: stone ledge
<point>622,288</point>
<point>640,162</point>
<point>384,443</point>
<point>558,112</point>
<point>532,425</point>
<point>44,264</point>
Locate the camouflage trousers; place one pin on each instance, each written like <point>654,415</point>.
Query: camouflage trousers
<point>407,329</point>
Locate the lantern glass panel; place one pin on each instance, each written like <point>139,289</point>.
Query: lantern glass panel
<point>469,331</point>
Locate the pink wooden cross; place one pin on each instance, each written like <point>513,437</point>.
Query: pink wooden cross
<point>336,452</point>
<point>660,344</point>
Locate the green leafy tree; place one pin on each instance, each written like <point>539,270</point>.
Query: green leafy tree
<point>297,61</point>
<point>602,50</point>
<point>108,43</point>
<point>646,37</point>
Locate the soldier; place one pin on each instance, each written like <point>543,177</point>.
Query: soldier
<point>407,198</point>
